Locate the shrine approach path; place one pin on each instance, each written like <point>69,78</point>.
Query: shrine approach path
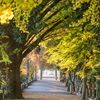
<point>48,89</point>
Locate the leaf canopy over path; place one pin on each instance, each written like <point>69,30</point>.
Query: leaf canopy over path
<point>26,23</point>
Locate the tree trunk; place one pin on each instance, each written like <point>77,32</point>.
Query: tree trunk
<point>55,74</point>
<point>16,58</point>
<point>14,78</point>
<point>15,82</point>
<point>72,83</point>
<point>40,74</point>
<point>60,76</point>
<point>84,89</point>
<point>68,86</point>
<point>84,84</point>
<point>66,83</point>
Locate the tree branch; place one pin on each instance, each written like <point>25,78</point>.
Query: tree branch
<point>34,45</point>
<point>53,14</point>
<point>48,9</point>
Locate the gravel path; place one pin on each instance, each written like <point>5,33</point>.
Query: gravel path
<point>48,90</point>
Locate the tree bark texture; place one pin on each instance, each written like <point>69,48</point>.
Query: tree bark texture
<point>14,68</point>
<point>72,82</point>
<point>14,79</point>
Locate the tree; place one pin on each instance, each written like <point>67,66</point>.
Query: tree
<point>26,26</point>
<point>79,43</point>
<point>36,21</point>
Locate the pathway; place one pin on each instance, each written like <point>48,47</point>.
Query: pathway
<point>48,90</point>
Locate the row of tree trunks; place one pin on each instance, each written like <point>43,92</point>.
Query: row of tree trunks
<point>78,85</point>
<point>70,81</point>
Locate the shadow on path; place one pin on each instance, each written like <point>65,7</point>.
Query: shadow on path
<point>48,90</point>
